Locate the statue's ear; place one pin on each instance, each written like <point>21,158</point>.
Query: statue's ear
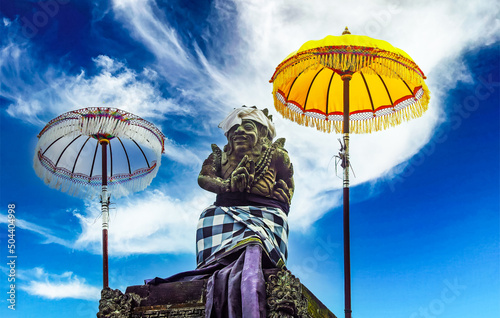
<point>263,131</point>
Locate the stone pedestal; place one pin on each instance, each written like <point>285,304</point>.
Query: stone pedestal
<point>286,297</point>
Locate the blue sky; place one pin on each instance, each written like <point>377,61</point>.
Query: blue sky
<point>424,206</point>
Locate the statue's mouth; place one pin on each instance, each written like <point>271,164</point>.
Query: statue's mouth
<point>240,138</point>
<point>286,307</point>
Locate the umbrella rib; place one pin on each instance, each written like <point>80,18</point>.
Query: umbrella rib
<point>411,92</point>
<point>111,159</point>
<point>51,145</point>
<point>126,155</point>
<point>147,162</point>
<point>328,93</point>
<point>310,85</point>
<point>368,90</point>
<point>291,86</point>
<point>386,89</point>
<point>65,149</point>
<point>78,156</point>
<point>93,160</point>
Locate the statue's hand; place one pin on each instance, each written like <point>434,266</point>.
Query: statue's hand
<point>242,177</point>
<point>281,191</point>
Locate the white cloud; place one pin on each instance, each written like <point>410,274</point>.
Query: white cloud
<point>38,282</point>
<point>146,23</point>
<point>50,91</point>
<point>49,236</point>
<point>148,222</point>
<point>6,22</point>
<point>200,82</point>
<point>181,154</point>
<point>434,33</point>
<point>151,222</point>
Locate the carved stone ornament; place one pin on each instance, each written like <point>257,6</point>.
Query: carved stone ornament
<point>284,296</point>
<point>115,304</point>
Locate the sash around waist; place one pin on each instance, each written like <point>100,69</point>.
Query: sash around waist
<point>244,199</point>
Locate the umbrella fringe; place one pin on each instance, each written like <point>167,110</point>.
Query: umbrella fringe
<point>411,111</point>
<point>91,187</point>
<point>344,60</point>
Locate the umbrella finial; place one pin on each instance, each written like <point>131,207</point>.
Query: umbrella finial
<point>346,31</point>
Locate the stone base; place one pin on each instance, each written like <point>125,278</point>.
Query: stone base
<point>166,311</point>
<point>286,297</point>
<point>179,299</point>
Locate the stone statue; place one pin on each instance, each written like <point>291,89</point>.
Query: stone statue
<point>241,239</point>
<point>252,173</point>
<point>246,230</point>
<point>250,163</point>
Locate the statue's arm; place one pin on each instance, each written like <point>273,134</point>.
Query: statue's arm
<point>209,177</point>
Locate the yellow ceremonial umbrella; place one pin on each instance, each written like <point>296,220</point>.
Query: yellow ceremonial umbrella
<point>349,83</point>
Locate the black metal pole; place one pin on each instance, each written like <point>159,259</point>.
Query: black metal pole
<point>105,214</point>
<point>347,252</point>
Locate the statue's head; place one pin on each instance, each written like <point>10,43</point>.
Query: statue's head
<point>248,129</point>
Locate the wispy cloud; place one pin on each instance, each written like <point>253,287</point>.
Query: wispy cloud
<point>55,92</point>
<point>148,25</point>
<point>38,282</point>
<point>150,223</point>
<point>36,91</point>
<point>435,34</point>
<point>46,233</point>
<point>200,81</point>
<point>182,154</point>
<point>234,68</point>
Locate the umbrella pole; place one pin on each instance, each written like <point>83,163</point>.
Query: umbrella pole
<point>347,251</point>
<point>105,214</point>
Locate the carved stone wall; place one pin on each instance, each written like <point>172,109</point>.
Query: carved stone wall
<point>286,297</point>
<point>115,304</point>
<point>166,311</point>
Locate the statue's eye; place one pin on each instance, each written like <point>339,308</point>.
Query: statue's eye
<point>248,126</point>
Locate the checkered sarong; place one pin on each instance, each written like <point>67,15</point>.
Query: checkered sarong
<point>221,230</point>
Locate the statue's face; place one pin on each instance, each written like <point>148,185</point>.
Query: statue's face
<point>244,137</point>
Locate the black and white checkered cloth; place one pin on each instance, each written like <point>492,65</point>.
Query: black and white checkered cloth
<point>221,230</point>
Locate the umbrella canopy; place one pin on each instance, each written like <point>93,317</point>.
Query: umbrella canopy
<point>349,83</point>
<point>67,155</point>
<point>387,87</point>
